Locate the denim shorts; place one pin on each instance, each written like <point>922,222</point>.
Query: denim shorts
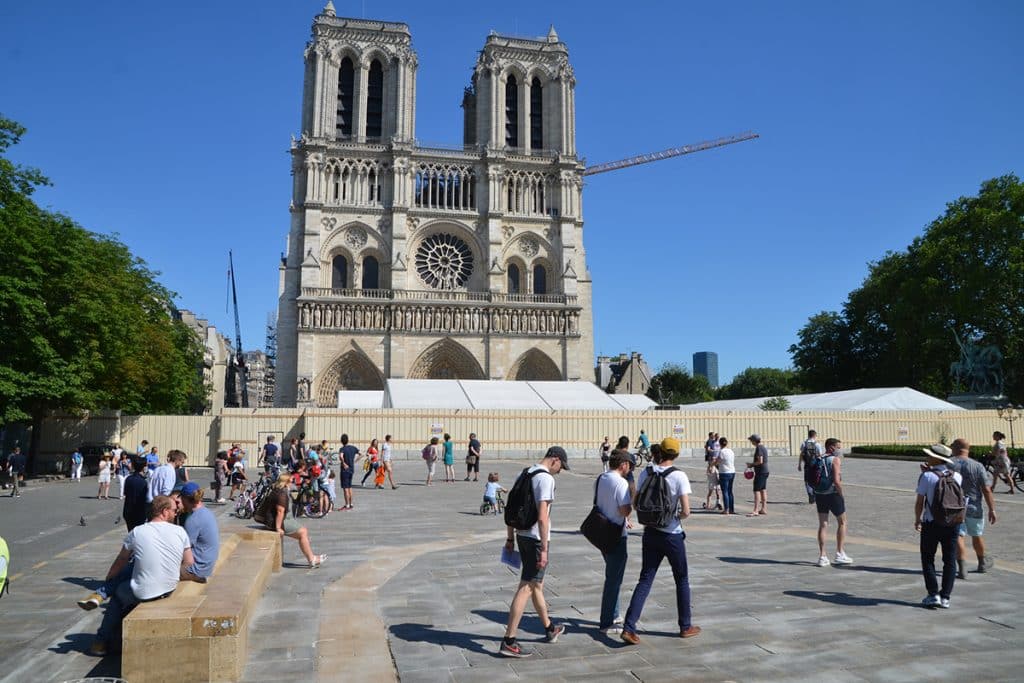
<point>972,526</point>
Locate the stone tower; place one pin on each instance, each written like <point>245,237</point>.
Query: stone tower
<point>407,261</point>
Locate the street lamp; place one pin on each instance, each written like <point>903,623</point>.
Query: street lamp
<point>1011,414</point>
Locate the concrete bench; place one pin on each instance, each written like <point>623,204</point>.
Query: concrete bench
<point>200,633</point>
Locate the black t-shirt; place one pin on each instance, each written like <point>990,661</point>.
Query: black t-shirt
<point>348,454</point>
<point>763,452</point>
<point>267,512</point>
<point>134,510</point>
<point>474,445</point>
<point>270,455</point>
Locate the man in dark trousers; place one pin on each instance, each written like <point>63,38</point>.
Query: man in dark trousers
<point>16,470</point>
<point>136,489</point>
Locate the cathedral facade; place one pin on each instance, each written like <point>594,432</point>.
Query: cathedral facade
<point>407,261</point>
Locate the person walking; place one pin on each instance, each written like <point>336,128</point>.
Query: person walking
<point>725,461</point>
<point>976,488</point>
<point>270,457</point>
<point>220,476</point>
<point>663,541</point>
<point>826,473</point>
<point>533,551</point>
<point>16,471</point>
<point>760,465</point>
<point>76,466</point>
<point>372,462</point>
<point>388,462</point>
<point>431,454</point>
<point>103,477</point>
<point>809,450</point>
<point>934,532</point>
<point>1001,462</point>
<point>612,494</point>
<point>349,455</point>
<point>136,490</point>
<point>123,469</point>
<point>473,458</point>
<point>449,458</point>
<point>606,454</point>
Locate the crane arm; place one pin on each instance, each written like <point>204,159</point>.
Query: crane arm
<point>239,358</point>
<point>668,153</point>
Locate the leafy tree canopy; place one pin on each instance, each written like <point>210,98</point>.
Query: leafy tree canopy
<point>757,382</point>
<point>775,403</point>
<point>964,276</point>
<point>84,324</point>
<point>674,385</point>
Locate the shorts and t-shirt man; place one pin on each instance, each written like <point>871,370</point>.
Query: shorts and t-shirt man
<point>975,479</point>
<point>348,456</point>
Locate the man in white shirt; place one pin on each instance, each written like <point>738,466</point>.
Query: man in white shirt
<point>533,549</point>
<point>161,483</point>
<point>162,553</point>
<point>614,503</point>
<point>933,533</point>
<point>661,542</point>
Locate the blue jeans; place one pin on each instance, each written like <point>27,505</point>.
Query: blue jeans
<point>122,601</point>
<point>728,501</point>
<point>614,570</point>
<point>657,546</point>
<point>109,586</point>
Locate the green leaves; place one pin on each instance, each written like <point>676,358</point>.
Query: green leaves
<point>674,385</point>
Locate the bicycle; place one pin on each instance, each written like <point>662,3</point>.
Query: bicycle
<point>247,501</point>
<point>309,503</point>
<point>1016,472</point>
<point>487,508</point>
<point>644,452</point>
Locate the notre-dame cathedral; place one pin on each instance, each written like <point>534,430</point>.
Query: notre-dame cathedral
<point>406,261</point>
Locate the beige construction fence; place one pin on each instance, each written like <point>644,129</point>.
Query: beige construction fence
<point>506,433</point>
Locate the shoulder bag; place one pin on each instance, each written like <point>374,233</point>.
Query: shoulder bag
<point>602,533</point>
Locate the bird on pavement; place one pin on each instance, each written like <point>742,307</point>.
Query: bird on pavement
<point>81,520</point>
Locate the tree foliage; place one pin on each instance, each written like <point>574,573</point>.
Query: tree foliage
<point>84,324</point>
<point>757,382</point>
<point>774,403</point>
<point>964,276</point>
<point>674,385</point>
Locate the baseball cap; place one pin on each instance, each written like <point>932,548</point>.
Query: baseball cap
<point>754,437</point>
<point>189,489</point>
<point>670,446</point>
<point>558,452</point>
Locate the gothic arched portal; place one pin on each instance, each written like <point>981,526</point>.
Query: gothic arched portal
<point>351,371</point>
<point>534,365</point>
<point>446,359</point>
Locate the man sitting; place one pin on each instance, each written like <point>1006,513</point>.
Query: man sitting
<point>162,554</point>
<point>201,527</point>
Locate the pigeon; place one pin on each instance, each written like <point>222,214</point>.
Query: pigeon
<point>118,520</point>
<point>81,520</point>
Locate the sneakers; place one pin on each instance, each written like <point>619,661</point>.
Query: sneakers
<point>91,602</point>
<point>944,603</point>
<point>612,630</point>
<point>552,632</point>
<point>629,637</point>
<point>986,563</point>
<point>842,558</point>
<point>317,561</point>
<point>932,601</point>
<point>690,632</point>
<point>512,649</point>
<point>823,561</point>
<point>98,648</point>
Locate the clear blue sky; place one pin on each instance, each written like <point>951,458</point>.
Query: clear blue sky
<point>169,123</point>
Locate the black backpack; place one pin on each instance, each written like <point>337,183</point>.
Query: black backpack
<point>521,507</point>
<point>655,506</point>
<point>948,504</point>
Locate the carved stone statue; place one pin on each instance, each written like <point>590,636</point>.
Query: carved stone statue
<point>979,369</point>
<point>302,389</point>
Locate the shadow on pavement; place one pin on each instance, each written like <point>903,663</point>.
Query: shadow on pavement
<point>759,560</point>
<point>427,633</point>
<point>847,599</point>
<point>87,582</point>
<point>875,570</point>
<point>109,666</point>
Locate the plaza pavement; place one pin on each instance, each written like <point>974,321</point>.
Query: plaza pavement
<point>413,591</point>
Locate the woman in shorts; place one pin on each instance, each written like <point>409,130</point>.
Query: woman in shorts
<point>273,514</point>
<point>104,477</point>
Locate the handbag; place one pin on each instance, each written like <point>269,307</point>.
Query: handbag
<point>602,533</point>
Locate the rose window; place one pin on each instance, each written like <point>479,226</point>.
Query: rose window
<point>444,261</point>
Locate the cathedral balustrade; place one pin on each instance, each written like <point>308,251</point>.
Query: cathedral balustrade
<point>397,316</point>
<point>438,295</point>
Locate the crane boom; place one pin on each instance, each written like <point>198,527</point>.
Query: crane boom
<point>668,153</point>
<point>243,371</point>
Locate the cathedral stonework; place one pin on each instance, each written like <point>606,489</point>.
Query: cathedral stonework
<point>407,261</point>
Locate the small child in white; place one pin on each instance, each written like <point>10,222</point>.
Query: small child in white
<point>491,490</point>
<point>328,488</point>
<point>713,487</point>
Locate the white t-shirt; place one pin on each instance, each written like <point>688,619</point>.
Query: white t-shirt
<point>726,461</point>
<point>543,489</point>
<point>926,487</point>
<point>157,548</point>
<point>612,493</point>
<point>678,485</point>
<point>385,451</point>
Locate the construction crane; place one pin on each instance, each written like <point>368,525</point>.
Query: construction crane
<point>668,153</point>
<point>239,359</point>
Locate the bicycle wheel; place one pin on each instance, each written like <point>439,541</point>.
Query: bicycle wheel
<point>240,507</point>
<point>313,509</point>
<point>1018,477</point>
<point>485,508</point>
<point>248,509</point>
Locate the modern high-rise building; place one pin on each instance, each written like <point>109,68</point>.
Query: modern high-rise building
<point>407,261</point>
<point>705,364</point>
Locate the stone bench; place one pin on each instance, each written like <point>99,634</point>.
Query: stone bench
<point>200,633</point>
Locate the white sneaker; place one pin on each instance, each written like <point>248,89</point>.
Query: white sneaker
<point>823,561</point>
<point>944,603</point>
<point>612,630</point>
<point>932,601</point>
<point>842,558</point>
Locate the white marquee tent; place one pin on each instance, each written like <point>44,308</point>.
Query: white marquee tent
<point>897,398</point>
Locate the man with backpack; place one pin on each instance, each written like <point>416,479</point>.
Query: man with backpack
<point>938,512</point>
<point>528,519</point>
<point>662,500</point>
<point>825,478</point>
<point>809,450</point>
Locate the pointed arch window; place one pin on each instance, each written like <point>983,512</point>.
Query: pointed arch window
<point>536,115</point>
<point>513,278</point>
<point>540,280</point>
<point>346,87</point>
<point>339,272</point>
<point>511,112</point>
<point>375,100</point>
<point>371,273</point>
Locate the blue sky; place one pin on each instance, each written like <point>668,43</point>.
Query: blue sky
<point>169,124</point>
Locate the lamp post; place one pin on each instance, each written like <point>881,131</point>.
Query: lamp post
<point>1011,414</point>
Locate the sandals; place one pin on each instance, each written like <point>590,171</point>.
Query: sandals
<point>317,561</point>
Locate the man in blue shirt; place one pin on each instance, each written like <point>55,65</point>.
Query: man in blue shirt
<point>76,465</point>
<point>349,455</point>
<point>203,533</point>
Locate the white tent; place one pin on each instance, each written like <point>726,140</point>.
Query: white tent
<point>360,399</point>
<point>896,398</point>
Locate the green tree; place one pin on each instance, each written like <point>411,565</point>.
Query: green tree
<point>775,403</point>
<point>674,385</point>
<point>84,325</point>
<point>964,276</point>
<point>757,382</point>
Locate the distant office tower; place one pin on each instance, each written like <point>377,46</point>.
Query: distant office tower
<point>705,364</point>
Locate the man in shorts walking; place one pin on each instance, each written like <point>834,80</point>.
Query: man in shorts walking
<point>533,550</point>
<point>828,496</point>
<point>348,468</point>
<point>975,487</point>
<point>473,458</point>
